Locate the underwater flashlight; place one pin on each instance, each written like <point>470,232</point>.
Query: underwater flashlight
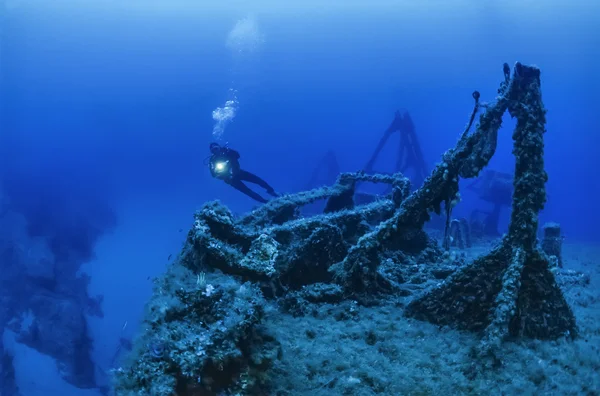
<point>221,166</point>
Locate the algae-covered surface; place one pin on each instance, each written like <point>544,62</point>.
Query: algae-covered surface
<point>353,350</point>
<point>345,348</point>
<point>364,299</point>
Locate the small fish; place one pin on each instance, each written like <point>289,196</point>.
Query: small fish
<point>169,258</point>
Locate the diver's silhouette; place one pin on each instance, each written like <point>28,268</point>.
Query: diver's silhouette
<point>225,165</point>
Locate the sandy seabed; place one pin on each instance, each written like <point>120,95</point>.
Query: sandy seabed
<point>376,350</point>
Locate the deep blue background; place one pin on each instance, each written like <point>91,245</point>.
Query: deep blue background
<point>113,102</point>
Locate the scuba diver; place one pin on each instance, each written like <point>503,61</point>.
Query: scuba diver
<point>224,164</point>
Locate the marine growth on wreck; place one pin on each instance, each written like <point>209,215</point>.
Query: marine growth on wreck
<point>206,330</point>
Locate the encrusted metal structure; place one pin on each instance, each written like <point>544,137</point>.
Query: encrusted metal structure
<point>510,291</point>
<point>202,331</point>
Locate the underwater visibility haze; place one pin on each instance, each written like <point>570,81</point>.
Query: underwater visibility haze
<point>299,198</point>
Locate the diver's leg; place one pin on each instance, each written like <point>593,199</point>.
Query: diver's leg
<point>241,187</point>
<point>252,178</point>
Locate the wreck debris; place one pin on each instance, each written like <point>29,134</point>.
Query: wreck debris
<point>410,155</point>
<point>265,246</point>
<point>510,291</point>
<point>339,196</point>
<point>496,188</point>
<point>552,242</point>
<point>203,333</point>
<point>460,234</point>
<point>327,172</point>
<point>199,338</point>
<point>359,270</point>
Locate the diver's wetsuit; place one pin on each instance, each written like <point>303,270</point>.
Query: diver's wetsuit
<point>225,165</point>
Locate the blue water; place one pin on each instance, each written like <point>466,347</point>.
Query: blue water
<point>107,114</point>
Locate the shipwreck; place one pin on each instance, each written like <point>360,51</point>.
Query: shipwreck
<point>203,331</point>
